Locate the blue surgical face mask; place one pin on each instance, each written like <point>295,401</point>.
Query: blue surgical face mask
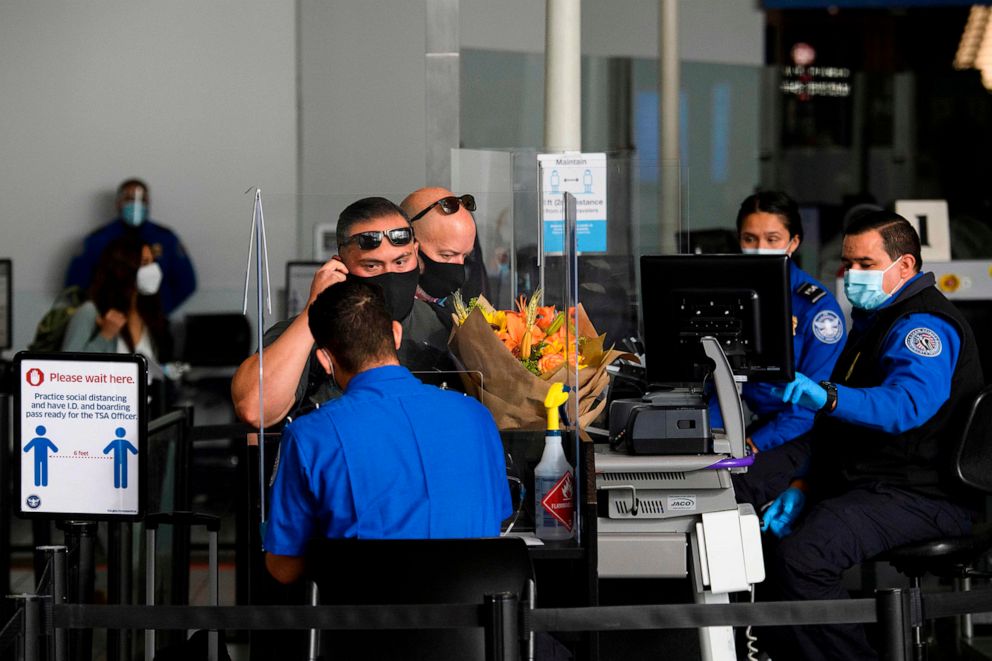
<point>134,212</point>
<point>864,288</point>
<point>764,251</point>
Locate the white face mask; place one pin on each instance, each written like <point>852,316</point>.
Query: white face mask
<point>764,251</point>
<point>149,279</point>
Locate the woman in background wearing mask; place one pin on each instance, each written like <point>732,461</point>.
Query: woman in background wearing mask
<point>123,313</point>
<point>768,223</point>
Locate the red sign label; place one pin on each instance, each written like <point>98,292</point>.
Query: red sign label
<point>559,502</point>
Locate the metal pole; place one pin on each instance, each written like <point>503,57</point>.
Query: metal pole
<point>669,169</point>
<point>443,103</point>
<point>55,559</point>
<point>502,627</point>
<point>150,589</point>
<point>213,595</point>
<point>893,609</point>
<point>563,76</point>
<point>79,535</point>
<point>113,585</point>
<point>313,642</point>
<point>30,626</point>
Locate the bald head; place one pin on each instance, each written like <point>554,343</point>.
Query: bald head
<point>447,238</point>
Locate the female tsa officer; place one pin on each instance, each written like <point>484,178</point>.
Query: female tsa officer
<point>768,223</point>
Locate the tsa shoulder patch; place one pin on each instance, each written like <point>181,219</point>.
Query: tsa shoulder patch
<point>924,342</point>
<point>827,327</point>
<point>810,292</point>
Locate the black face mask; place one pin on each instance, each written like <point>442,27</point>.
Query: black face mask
<point>399,288</point>
<point>441,279</point>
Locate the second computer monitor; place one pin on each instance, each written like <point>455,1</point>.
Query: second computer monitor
<point>742,300</point>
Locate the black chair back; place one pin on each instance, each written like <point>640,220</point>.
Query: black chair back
<point>435,571</point>
<point>973,463</point>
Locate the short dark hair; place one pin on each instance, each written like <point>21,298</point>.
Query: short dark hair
<point>775,202</point>
<point>899,237</point>
<point>133,181</point>
<point>367,208</point>
<point>350,319</point>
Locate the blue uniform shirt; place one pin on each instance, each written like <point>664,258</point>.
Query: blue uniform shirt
<point>817,343</point>
<point>918,358</point>
<point>391,458</point>
<point>178,276</point>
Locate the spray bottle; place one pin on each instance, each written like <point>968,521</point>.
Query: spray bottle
<point>554,488</point>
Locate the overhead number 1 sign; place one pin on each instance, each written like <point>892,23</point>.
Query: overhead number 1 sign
<point>80,432</point>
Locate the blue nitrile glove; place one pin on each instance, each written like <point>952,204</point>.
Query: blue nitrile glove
<point>783,512</point>
<point>805,392</point>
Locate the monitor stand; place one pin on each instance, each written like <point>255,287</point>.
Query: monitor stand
<point>728,396</point>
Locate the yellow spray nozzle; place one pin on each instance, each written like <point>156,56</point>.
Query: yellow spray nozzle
<point>556,397</point>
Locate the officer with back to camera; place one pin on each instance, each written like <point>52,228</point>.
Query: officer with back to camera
<point>876,465</point>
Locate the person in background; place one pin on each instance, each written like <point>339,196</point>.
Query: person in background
<point>768,223</point>
<point>877,467</point>
<point>392,458</point>
<point>124,311</point>
<point>132,205</point>
<point>449,254</point>
<point>376,244</point>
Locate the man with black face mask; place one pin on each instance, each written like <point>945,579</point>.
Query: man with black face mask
<point>376,244</point>
<point>449,253</point>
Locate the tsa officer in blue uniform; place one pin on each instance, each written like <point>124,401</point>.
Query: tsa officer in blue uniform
<point>768,223</point>
<point>878,467</point>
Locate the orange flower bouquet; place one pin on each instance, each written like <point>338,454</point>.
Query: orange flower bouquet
<point>512,357</point>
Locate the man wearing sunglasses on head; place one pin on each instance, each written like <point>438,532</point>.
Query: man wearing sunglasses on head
<point>375,244</point>
<point>449,251</point>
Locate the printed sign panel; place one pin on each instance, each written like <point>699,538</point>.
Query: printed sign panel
<point>932,223</point>
<point>80,434</point>
<point>584,176</point>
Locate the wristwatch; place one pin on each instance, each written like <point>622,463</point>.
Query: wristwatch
<point>831,402</point>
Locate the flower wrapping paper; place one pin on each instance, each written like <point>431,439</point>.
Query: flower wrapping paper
<point>514,395</point>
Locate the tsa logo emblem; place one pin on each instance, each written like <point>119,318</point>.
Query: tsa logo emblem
<point>827,327</point>
<point>33,501</point>
<point>924,342</point>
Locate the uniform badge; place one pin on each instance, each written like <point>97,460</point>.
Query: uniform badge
<point>924,342</point>
<point>827,327</point>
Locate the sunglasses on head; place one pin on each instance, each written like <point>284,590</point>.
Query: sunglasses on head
<point>449,205</point>
<point>372,239</point>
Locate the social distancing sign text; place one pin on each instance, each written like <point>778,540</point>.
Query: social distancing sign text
<point>80,431</point>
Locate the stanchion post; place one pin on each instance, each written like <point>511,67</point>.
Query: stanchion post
<point>80,536</point>
<point>502,627</point>
<point>30,605</point>
<point>55,559</point>
<point>893,610</point>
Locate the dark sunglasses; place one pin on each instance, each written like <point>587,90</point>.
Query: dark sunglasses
<point>372,239</point>
<point>449,205</point>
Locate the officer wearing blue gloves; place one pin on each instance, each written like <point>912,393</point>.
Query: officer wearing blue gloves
<point>875,461</point>
<point>768,223</point>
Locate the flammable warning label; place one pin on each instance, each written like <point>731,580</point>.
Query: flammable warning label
<point>559,501</point>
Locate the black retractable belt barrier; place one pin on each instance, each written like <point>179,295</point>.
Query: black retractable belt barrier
<point>894,610</point>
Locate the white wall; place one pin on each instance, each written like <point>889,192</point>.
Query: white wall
<point>200,99</point>
<point>196,97</point>
<point>363,119</point>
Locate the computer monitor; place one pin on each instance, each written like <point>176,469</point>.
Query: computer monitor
<point>742,300</point>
